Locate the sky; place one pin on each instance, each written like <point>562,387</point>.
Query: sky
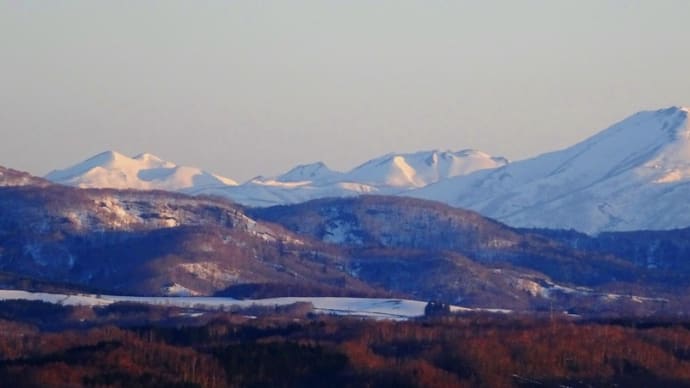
<point>246,88</point>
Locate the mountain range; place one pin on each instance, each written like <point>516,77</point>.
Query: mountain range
<point>389,174</point>
<point>633,175</point>
<point>139,226</point>
<point>137,242</point>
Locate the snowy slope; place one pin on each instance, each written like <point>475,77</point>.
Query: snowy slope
<point>364,307</point>
<point>262,193</point>
<point>633,175</point>
<point>144,172</point>
<point>389,174</point>
<point>421,168</point>
<point>314,172</point>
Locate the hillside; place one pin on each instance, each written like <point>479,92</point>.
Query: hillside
<point>154,243</point>
<point>420,246</point>
<point>631,176</point>
<point>163,243</point>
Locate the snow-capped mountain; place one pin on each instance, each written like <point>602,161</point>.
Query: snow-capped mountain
<point>421,168</point>
<point>389,174</point>
<point>143,172</point>
<point>633,175</point>
<point>313,172</point>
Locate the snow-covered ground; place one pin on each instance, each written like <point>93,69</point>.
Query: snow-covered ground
<point>365,307</point>
<point>63,299</point>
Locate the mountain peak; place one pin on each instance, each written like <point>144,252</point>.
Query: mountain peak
<point>103,159</point>
<point>145,156</point>
<point>308,172</point>
<point>418,169</point>
<point>613,180</point>
<point>674,109</point>
<point>106,157</point>
<point>111,169</point>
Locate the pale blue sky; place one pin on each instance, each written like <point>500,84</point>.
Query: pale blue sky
<point>253,87</point>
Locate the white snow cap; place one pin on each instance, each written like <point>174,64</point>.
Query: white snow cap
<point>145,171</point>
<point>632,175</point>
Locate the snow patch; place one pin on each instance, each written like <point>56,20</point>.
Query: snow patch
<point>211,272</point>
<point>376,308</point>
<point>178,290</point>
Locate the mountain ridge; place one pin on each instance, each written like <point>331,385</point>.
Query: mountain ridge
<point>608,181</point>
<point>388,174</point>
<point>632,175</point>
<point>145,171</point>
<point>158,242</point>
